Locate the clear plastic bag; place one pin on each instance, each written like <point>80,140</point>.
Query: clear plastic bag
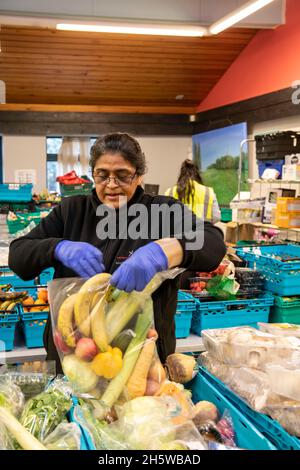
<point>285,411</point>
<point>11,396</point>
<point>252,385</point>
<point>44,412</point>
<point>32,378</point>
<point>65,437</point>
<point>280,329</point>
<point>248,347</point>
<point>147,424</point>
<point>106,338</point>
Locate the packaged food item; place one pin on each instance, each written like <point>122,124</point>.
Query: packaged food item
<point>246,346</point>
<point>252,385</point>
<point>284,381</point>
<point>44,412</point>
<point>221,370</point>
<point>280,329</point>
<point>286,412</point>
<point>66,436</point>
<point>33,377</point>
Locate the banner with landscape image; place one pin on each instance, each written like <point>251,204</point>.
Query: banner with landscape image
<point>217,155</point>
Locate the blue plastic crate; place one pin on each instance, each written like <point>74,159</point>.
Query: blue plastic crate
<point>33,324</point>
<point>282,278</point>
<point>46,276</point>
<point>247,434</point>
<point>14,192</point>
<point>7,276</point>
<point>8,323</point>
<point>269,427</point>
<point>183,323</point>
<point>185,302</point>
<point>264,256</point>
<point>229,313</point>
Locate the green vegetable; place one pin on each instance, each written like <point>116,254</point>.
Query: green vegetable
<point>104,436</point>
<point>121,312</point>
<point>79,373</point>
<point>44,412</point>
<point>117,385</point>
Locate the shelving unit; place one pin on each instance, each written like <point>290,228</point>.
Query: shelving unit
<point>22,354</point>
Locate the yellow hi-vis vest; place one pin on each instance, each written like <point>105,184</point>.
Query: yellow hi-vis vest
<point>202,204</point>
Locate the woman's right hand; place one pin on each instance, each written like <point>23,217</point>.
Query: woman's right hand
<point>83,258</point>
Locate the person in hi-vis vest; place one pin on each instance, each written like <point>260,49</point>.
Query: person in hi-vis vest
<point>190,191</point>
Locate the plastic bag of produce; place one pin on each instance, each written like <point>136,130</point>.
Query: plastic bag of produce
<point>33,377</point>
<point>106,338</point>
<point>147,424</point>
<point>101,434</point>
<point>222,287</point>
<point>65,437</point>
<point>44,412</point>
<point>11,396</point>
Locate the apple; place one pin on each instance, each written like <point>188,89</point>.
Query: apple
<point>61,346</point>
<point>86,349</point>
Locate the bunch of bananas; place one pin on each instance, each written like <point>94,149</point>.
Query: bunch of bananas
<point>9,300</point>
<point>8,306</point>
<point>84,313</point>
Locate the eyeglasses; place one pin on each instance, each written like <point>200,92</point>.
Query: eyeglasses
<point>118,180</point>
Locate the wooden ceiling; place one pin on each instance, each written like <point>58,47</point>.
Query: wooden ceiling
<point>44,66</point>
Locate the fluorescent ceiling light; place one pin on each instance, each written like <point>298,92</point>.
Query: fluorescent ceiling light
<point>237,15</point>
<point>131,28</point>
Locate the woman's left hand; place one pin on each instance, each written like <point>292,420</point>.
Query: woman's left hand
<point>138,270</point>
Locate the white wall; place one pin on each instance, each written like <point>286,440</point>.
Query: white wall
<point>164,156</point>
<point>25,152</point>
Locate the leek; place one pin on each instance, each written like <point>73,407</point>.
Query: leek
<point>116,386</point>
<point>123,310</point>
<point>26,440</point>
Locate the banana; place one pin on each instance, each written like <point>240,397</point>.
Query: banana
<point>5,304</point>
<point>98,324</point>
<point>11,306</point>
<point>65,320</point>
<point>96,299</point>
<point>84,299</point>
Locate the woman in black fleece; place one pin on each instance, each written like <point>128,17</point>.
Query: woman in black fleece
<point>73,240</point>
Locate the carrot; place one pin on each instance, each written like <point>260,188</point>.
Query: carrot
<point>137,383</point>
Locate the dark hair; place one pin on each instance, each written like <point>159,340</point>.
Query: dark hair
<point>122,143</point>
<point>188,173</point>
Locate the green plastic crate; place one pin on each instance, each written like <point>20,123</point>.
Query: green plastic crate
<point>226,214</point>
<point>75,189</point>
<point>23,221</point>
<point>286,311</point>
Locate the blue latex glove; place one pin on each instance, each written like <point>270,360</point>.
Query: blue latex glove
<point>139,268</point>
<point>83,258</point>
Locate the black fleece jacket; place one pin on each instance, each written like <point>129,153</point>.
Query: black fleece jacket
<point>75,219</point>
